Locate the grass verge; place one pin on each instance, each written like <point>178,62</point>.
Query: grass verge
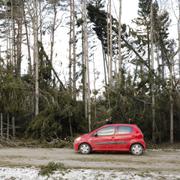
<point>50,168</point>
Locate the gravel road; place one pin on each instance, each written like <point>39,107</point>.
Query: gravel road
<point>152,160</point>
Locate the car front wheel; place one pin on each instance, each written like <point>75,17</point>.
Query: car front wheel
<point>85,148</point>
<point>137,149</point>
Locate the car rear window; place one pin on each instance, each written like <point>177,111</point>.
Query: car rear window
<point>124,130</point>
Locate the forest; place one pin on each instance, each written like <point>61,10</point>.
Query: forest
<point>140,78</point>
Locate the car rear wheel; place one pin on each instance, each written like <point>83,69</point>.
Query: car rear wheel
<point>137,149</point>
<point>84,148</point>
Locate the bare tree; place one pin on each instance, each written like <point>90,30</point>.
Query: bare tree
<point>179,34</point>
<point>40,21</point>
<point>152,72</point>
<point>28,42</point>
<point>19,19</point>
<point>70,47</point>
<point>53,28</point>
<point>119,42</point>
<point>36,58</point>
<point>109,41</point>
<point>87,99</point>
<point>74,49</point>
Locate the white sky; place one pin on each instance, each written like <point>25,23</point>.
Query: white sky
<point>129,12</point>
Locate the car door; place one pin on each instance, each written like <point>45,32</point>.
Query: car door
<point>123,136</point>
<point>103,138</point>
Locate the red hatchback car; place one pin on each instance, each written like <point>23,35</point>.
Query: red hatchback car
<point>112,137</point>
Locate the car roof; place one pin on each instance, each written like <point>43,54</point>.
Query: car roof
<point>131,125</point>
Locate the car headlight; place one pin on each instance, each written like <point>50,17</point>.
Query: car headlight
<point>78,139</point>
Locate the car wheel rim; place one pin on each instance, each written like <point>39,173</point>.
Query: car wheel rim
<point>137,149</point>
<point>85,149</point>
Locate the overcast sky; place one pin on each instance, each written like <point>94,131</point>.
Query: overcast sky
<point>129,12</point>
<point>61,48</point>
<point>129,9</point>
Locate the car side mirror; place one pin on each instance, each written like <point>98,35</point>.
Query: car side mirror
<point>95,134</point>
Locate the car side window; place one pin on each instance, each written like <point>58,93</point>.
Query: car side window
<point>107,131</point>
<point>124,130</point>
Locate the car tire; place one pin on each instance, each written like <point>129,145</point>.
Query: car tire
<point>84,148</point>
<point>137,149</point>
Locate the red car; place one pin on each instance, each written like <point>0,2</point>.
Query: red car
<point>112,137</point>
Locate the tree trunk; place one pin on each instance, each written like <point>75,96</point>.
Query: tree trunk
<point>74,49</point>
<point>84,60</point>
<point>13,127</point>
<point>148,47</point>
<point>119,42</point>
<point>1,114</point>
<point>70,127</point>
<point>110,60</point>
<point>7,130</point>
<point>36,58</point>
<point>94,73</point>
<point>152,78</point>
<point>28,43</point>
<point>12,42</point>
<point>19,43</point>
<point>53,32</point>
<point>89,107</point>
<point>179,35</point>
<point>109,34</point>
<point>104,65</point>
<point>108,43</point>
<point>40,22</point>
<point>1,117</point>
<point>70,49</point>
<point>86,65</point>
<point>171,117</point>
<point>171,103</point>
<point>159,73</point>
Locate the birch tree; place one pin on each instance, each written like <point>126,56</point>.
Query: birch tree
<point>27,40</point>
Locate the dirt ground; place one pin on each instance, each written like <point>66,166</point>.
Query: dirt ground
<point>152,160</point>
